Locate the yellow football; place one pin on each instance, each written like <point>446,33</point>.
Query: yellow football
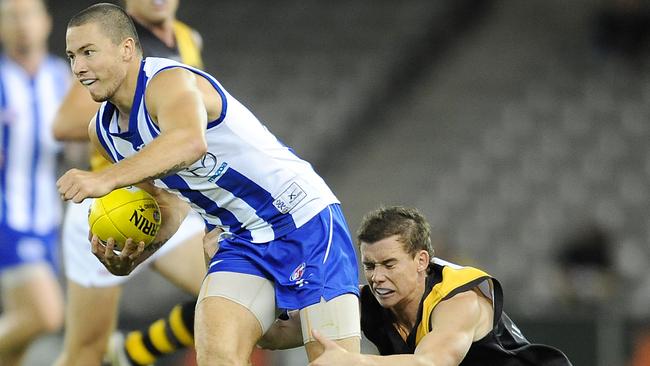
<point>124,213</point>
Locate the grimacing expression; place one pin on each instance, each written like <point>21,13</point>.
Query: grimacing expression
<point>24,26</point>
<point>152,11</point>
<point>95,60</point>
<point>390,270</point>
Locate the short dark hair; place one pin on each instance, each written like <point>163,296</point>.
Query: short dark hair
<point>408,223</point>
<point>112,20</point>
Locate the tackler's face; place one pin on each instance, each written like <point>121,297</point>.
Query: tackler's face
<point>391,271</point>
<point>97,63</point>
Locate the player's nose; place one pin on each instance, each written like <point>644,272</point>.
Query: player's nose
<point>78,67</point>
<point>378,275</point>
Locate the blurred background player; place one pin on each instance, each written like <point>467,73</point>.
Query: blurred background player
<point>32,84</point>
<point>89,284</point>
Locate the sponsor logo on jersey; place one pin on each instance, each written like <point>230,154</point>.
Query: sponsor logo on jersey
<point>203,167</point>
<point>219,172</point>
<point>290,198</point>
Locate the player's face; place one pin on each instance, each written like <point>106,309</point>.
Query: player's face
<point>97,63</point>
<point>392,273</point>
<point>24,26</point>
<point>152,11</point>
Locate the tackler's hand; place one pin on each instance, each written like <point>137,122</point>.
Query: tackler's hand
<point>333,354</point>
<point>211,244</point>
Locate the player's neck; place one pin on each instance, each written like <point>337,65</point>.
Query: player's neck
<point>406,312</point>
<point>164,31</point>
<point>28,60</point>
<point>123,97</point>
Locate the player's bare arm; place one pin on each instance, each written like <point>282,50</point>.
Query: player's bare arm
<point>71,123</point>
<point>456,324</point>
<point>176,103</point>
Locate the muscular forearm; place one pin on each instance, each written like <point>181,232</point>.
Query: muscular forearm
<point>167,154</point>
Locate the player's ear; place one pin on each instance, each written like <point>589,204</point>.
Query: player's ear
<point>423,260</point>
<point>129,49</point>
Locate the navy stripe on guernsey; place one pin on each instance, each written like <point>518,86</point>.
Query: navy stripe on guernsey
<point>242,188</point>
<point>4,126</point>
<point>256,197</point>
<point>209,206</point>
<point>36,117</point>
<point>106,114</point>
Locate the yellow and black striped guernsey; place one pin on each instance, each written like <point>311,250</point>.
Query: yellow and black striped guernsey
<point>505,345</point>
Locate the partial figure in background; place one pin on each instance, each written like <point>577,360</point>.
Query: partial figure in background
<point>32,84</point>
<point>89,284</point>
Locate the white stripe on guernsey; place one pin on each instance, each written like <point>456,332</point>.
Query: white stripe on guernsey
<point>106,137</point>
<point>21,149</point>
<point>124,147</point>
<point>47,92</point>
<point>329,242</point>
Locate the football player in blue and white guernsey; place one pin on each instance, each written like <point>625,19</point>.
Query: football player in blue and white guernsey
<point>174,130</point>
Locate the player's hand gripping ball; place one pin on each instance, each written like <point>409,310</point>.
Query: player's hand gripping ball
<point>125,213</point>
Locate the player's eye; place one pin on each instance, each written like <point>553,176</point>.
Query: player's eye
<point>88,52</point>
<point>368,267</point>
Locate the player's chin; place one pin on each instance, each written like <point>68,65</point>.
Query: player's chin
<point>99,98</point>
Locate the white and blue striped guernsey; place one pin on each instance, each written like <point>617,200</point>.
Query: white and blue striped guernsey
<point>29,201</point>
<point>248,183</point>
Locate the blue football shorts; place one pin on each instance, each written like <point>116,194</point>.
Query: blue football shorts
<point>17,248</point>
<point>317,260</point>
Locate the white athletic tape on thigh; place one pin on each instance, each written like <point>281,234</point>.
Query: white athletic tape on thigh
<point>255,293</point>
<point>335,319</point>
